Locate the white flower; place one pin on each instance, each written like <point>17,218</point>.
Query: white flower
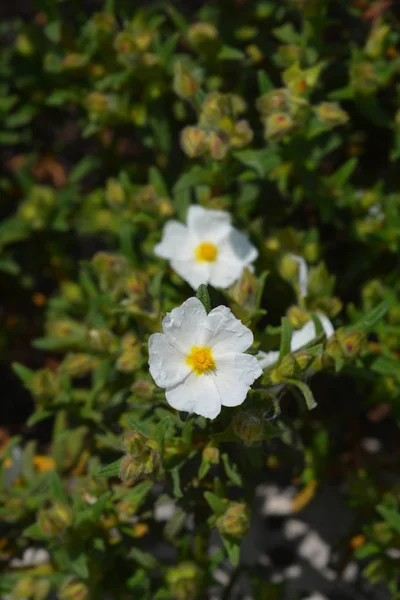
<point>200,359</point>
<point>208,249</point>
<point>299,339</point>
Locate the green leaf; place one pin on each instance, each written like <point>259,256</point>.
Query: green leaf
<point>111,470</point>
<point>372,317</point>
<point>391,516</point>
<point>176,480</point>
<point>229,53</point>
<point>204,297</point>
<point>385,365</point>
<point>83,168</point>
<point>23,373</point>
<point>53,31</point>
<point>343,174</point>
<point>233,550</point>
<point>286,338</point>
<point>261,161</point>
<point>157,180</point>
<point>230,471</point>
<point>306,392</point>
<point>145,559</point>
<point>265,85</point>
<point>217,505</point>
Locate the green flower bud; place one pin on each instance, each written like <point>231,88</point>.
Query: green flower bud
<point>211,455</point>
<point>351,342</point>
<point>130,470</point>
<point>131,355</point>
<point>42,589</point>
<point>23,589</point>
<point>125,43</point>
<point>115,192</point>
<point>311,252</point>
<point>135,444</point>
<point>102,340</point>
<point>72,589</point>
<point>277,125</point>
<point>97,103</point>
<point>242,134</point>
<point>214,108</point>
<point>55,519</point>
<point>376,41</point>
<point>143,457</point>
<point>275,101</point>
<point>185,84</point>
<point>193,141</point>
<point>45,384</point>
<point>24,45</point>
<point>248,426</point>
<point>303,359</point>
<point>143,389</point>
<point>184,580</point>
<point>202,35</point>
<point>74,61</point>
<point>331,114</point>
<point>103,23</point>
<point>297,317</point>
<point>363,78</point>
<point>235,521</point>
<point>218,145</point>
<point>78,365</point>
<point>288,267</point>
<point>285,369</point>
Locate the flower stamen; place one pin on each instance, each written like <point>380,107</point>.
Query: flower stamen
<point>206,252</point>
<point>201,359</point>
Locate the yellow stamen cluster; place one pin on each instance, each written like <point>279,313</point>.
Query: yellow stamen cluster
<point>206,252</point>
<point>201,359</point>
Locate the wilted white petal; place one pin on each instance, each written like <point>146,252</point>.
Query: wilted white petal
<point>225,333</point>
<point>266,359</point>
<point>234,375</point>
<point>197,394</point>
<point>326,325</point>
<point>167,365</point>
<point>303,275</point>
<point>207,224</point>
<point>308,332</point>
<point>184,324</point>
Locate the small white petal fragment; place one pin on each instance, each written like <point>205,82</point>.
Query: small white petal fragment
<point>303,275</point>
<point>208,249</point>
<point>199,359</point>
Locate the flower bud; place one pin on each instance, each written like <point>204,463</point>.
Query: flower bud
<point>125,43</point>
<point>42,589</point>
<point>331,114</point>
<point>103,23</point>
<point>23,589</point>
<point>297,317</point>
<point>303,359</point>
<point>351,342</point>
<point>235,520</point>
<point>275,101</point>
<point>218,145</point>
<point>55,519</point>
<point>24,45</point>
<point>184,580</point>
<point>376,41</point>
<point>97,103</point>
<point>248,426</point>
<point>242,134</point>
<point>102,340</point>
<point>79,365</point>
<point>211,455</point>
<point>193,141</point>
<point>363,78</point>
<point>244,291</point>
<point>115,192</point>
<point>74,61</point>
<point>200,35</point>
<point>130,470</point>
<point>135,444</point>
<point>185,84</point>
<point>277,125</point>
<point>143,389</point>
<point>45,384</point>
<point>285,369</point>
<point>72,589</point>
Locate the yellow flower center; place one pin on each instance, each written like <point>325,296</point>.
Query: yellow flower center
<point>201,359</point>
<point>206,252</point>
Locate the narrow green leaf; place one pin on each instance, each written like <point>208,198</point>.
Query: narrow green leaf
<point>217,505</point>
<point>306,392</point>
<point>265,85</point>
<point>286,338</point>
<point>111,470</point>
<point>391,516</point>
<point>204,297</point>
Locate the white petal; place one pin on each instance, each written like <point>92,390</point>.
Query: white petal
<point>183,326</point>
<point>175,241</point>
<point>234,375</point>
<point>327,325</point>
<point>308,332</point>
<point>197,394</point>
<point>167,365</point>
<point>192,271</point>
<point>303,336</point>
<point>225,333</point>
<point>236,247</point>
<point>208,225</point>
<point>224,273</point>
<point>303,275</point>
<point>266,359</point>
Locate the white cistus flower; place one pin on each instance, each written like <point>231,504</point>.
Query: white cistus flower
<point>208,249</point>
<point>299,339</point>
<point>199,359</point>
